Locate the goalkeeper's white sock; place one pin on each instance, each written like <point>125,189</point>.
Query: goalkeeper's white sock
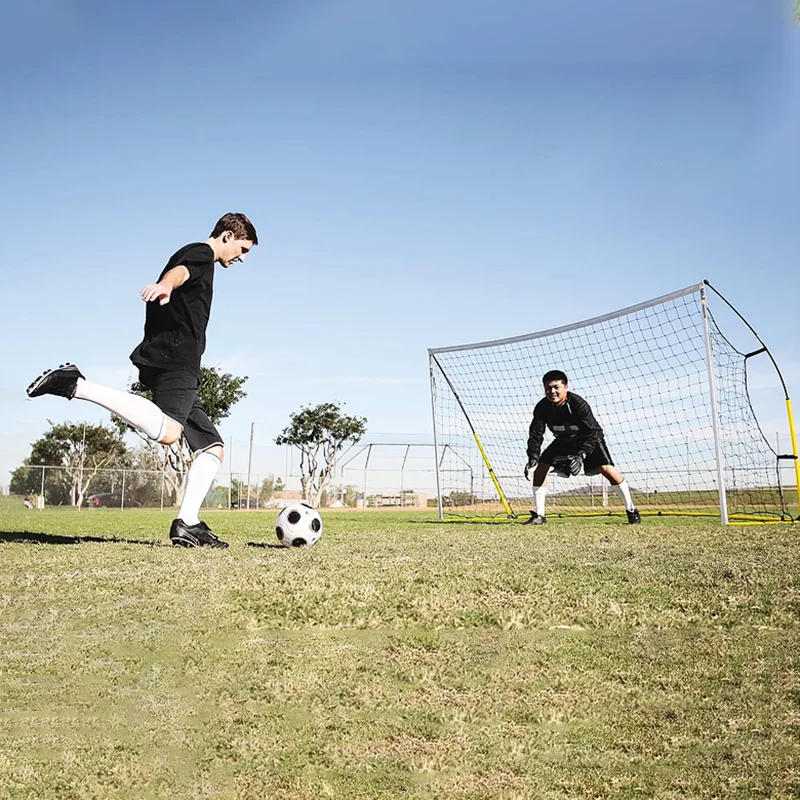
<point>539,494</point>
<point>625,494</point>
<point>135,410</point>
<point>198,481</point>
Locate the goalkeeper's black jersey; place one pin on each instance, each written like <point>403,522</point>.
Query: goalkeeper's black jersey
<point>572,421</point>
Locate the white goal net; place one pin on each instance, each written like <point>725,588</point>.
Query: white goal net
<point>668,388</point>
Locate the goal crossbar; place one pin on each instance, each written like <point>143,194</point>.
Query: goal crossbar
<point>574,326</point>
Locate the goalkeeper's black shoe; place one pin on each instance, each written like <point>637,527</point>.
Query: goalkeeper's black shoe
<point>200,535</point>
<point>634,517</point>
<point>61,382</point>
<point>535,519</point>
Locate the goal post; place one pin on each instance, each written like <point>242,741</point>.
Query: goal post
<point>714,409</point>
<point>481,450</point>
<point>668,388</point>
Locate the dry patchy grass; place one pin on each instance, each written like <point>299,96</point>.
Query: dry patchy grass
<point>398,658</point>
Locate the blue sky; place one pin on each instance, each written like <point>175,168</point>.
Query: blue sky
<point>421,174</point>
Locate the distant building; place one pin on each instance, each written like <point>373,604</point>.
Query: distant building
<point>282,498</point>
<point>398,500</point>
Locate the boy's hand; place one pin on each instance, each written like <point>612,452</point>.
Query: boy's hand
<point>157,291</point>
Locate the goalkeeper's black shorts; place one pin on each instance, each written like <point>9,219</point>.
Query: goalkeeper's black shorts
<point>556,453</point>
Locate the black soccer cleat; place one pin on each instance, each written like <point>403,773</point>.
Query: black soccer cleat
<point>61,382</point>
<point>634,517</point>
<point>200,535</point>
<point>535,519</point>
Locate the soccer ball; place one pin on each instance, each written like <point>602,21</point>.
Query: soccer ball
<point>298,525</point>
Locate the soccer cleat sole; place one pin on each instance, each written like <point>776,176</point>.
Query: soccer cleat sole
<point>218,545</point>
<point>31,390</point>
<point>199,535</point>
<point>184,540</point>
<point>187,540</point>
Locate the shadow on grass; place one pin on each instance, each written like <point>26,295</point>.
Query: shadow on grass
<point>266,545</point>
<point>462,521</point>
<point>521,519</point>
<point>9,537</point>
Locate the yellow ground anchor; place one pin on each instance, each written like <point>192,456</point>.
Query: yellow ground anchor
<point>497,486</point>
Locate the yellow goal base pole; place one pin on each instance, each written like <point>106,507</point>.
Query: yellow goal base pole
<point>793,437</point>
<point>497,486</point>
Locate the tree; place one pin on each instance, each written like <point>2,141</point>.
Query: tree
<point>238,492</point>
<point>218,392</point>
<point>320,433</point>
<point>269,486</point>
<point>460,499</point>
<point>350,496</point>
<point>80,450</point>
<point>145,478</point>
<point>217,496</point>
<point>258,494</point>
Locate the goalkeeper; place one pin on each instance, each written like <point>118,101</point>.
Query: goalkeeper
<point>578,445</point>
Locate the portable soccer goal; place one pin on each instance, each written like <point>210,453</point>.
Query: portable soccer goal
<point>667,386</point>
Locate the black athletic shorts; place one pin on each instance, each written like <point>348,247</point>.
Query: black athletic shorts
<point>556,452</point>
<point>175,393</point>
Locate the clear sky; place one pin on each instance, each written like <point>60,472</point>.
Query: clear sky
<point>421,174</point>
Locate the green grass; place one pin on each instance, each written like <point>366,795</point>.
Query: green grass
<point>398,658</point>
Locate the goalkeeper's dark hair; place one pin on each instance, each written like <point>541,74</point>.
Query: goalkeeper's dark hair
<point>554,375</point>
<point>238,224</point>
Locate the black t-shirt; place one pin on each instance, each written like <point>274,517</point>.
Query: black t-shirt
<point>572,421</point>
<point>175,333</point>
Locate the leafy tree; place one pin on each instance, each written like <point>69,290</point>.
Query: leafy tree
<point>269,486</point>
<point>258,494</point>
<point>81,451</point>
<point>144,482</point>
<point>217,496</point>
<point>28,481</point>
<point>218,392</point>
<point>320,433</point>
<point>238,491</point>
<point>350,495</point>
<point>460,499</point>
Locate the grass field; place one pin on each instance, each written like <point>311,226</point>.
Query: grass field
<point>400,658</point>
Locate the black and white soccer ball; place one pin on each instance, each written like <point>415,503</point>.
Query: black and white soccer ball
<point>298,525</point>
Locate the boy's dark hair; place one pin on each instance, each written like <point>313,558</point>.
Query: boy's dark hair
<point>238,224</point>
<point>554,375</point>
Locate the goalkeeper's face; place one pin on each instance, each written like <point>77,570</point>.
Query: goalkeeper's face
<point>555,392</point>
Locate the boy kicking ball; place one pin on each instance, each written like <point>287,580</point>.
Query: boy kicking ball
<point>168,359</point>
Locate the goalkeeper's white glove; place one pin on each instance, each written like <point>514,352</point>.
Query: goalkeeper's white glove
<point>532,462</point>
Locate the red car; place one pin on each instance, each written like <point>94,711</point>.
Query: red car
<point>110,500</point>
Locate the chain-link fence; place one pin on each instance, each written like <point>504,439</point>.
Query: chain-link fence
<point>367,475</point>
<point>376,485</point>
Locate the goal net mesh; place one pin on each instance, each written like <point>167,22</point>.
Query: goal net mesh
<point>644,371</point>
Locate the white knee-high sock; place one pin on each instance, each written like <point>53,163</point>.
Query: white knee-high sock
<point>135,410</point>
<point>625,494</point>
<point>198,481</point>
<point>539,494</point>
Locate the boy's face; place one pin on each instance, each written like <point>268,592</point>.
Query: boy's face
<point>555,392</point>
<point>233,250</point>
